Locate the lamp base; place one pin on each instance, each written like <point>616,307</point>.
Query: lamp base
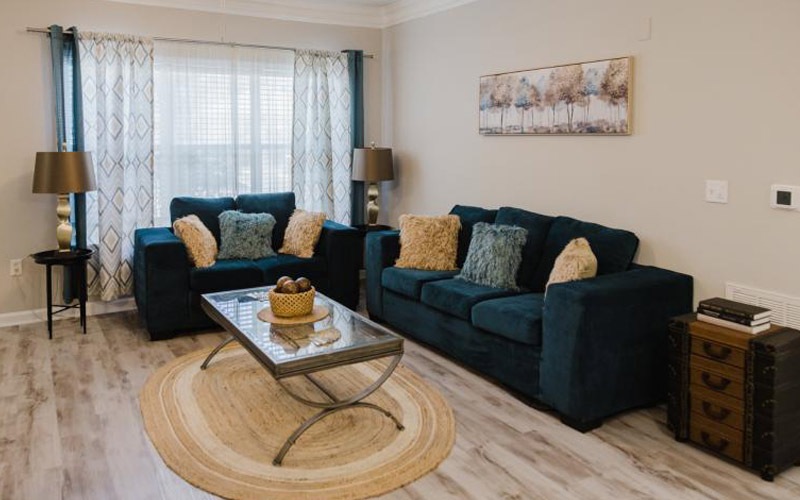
<point>64,228</point>
<point>372,204</point>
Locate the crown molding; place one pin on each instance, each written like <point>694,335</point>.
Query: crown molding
<point>401,11</point>
<point>345,13</point>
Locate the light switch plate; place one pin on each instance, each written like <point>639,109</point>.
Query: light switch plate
<point>717,191</point>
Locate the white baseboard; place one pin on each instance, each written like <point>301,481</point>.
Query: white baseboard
<point>92,309</point>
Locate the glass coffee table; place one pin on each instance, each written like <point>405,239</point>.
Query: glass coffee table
<point>343,338</point>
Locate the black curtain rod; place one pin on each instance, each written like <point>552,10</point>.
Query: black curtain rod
<point>68,31</point>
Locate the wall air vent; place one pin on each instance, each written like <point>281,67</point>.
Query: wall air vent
<point>785,308</point>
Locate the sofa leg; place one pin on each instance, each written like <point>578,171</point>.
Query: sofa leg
<point>581,425</point>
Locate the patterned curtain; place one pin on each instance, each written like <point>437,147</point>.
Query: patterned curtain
<point>117,83</point>
<point>322,142</point>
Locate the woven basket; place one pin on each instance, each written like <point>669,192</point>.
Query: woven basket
<point>290,305</point>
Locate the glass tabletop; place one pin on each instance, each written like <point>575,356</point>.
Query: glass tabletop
<point>344,337</point>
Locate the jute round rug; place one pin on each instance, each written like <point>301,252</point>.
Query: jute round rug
<point>220,428</point>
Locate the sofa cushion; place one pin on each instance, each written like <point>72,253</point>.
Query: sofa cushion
<point>517,318</point>
<point>273,268</point>
<point>245,236</point>
<point>614,248</point>
<point>206,209</point>
<point>456,296</point>
<point>201,247</point>
<point>495,254</point>
<point>575,262</point>
<point>408,282</point>
<point>303,233</point>
<point>225,275</point>
<point>538,227</point>
<point>469,217</point>
<point>280,205</point>
<point>428,242</point>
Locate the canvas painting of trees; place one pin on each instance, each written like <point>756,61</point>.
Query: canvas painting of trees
<point>586,98</point>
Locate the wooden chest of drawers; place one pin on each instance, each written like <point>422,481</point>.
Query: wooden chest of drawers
<point>736,394</point>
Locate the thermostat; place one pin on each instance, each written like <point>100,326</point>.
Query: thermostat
<point>785,197</point>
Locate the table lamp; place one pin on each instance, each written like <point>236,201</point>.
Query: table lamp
<point>372,165</point>
<point>62,174</point>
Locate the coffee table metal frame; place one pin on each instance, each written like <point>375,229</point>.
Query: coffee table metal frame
<point>309,365</point>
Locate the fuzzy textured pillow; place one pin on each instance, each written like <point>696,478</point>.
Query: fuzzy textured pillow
<point>302,233</point>
<point>245,236</point>
<point>494,255</point>
<point>576,262</point>
<point>429,243</point>
<point>200,243</point>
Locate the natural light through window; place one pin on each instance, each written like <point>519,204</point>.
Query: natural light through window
<point>223,122</point>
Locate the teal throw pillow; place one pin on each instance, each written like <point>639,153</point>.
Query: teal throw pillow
<point>245,236</point>
<point>494,255</point>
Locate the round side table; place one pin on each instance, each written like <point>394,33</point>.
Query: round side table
<point>74,259</point>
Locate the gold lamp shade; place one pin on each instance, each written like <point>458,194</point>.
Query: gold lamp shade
<point>372,164</point>
<point>63,173</point>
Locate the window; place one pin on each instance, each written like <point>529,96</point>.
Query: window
<point>223,122</point>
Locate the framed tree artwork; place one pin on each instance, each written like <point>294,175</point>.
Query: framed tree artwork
<point>591,98</point>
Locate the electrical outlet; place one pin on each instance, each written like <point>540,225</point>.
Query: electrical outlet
<point>16,267</point>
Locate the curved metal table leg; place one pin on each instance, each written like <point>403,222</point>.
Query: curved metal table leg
<point>358,397</point>
<point>215,351</point>
<point>319,416</point>
<point>329,408</point>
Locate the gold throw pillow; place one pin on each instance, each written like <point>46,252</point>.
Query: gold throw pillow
<point>429,242</point>
<point>303,232</point>
<point>200,243</point>
<point>576,262</point>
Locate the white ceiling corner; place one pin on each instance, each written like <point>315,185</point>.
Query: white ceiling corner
<point>361,13</point>
<point>400,11</point>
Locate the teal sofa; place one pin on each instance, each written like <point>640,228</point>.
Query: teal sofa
<point>168,289</point>
<point>587,349</point>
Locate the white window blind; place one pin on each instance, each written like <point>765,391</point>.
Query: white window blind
<point>223,122</point>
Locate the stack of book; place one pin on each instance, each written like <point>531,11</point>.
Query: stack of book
<point>734,315</point>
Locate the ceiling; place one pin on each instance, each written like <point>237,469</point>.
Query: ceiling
<point>364,13</point>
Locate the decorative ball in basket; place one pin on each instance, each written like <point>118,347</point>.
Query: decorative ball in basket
<point>292,298</point>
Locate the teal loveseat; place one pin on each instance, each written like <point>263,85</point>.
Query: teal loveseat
<point>168,289</point>
<point>588,349</point>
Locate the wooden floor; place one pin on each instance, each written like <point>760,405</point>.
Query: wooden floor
<point>70,428</point>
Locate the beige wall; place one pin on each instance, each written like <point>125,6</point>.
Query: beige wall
<point>715,97</point>
<point>27,221</point>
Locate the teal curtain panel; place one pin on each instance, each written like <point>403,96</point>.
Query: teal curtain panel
<point>355,67</point>
<point>69,125</point>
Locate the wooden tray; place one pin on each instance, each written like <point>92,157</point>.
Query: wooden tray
<point>318,313</point>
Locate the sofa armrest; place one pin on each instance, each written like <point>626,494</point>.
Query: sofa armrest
<point>383,249</point>
<point>161,280</point>
<point>604,341</point>
<point>341,246</point>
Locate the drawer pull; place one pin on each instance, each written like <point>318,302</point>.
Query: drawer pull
<point>717,386</point>
<point>719,446</point>
<point>716,352</point>
<point>718,415</point>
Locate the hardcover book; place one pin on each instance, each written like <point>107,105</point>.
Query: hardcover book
<point>733,308</point>
<point>732,317</point>
<point>733,326</point>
